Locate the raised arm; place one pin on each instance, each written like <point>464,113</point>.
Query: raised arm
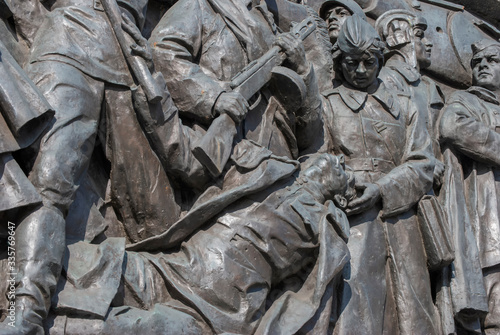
<point>177,45</point>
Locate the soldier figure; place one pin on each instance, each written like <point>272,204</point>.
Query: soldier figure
<point>386,143</point>
<point>221,277</point>
<point>409,51</point>
<point>201,45</point>
<point>75,58</point>
<point>470,126</point>
<point>335,12</point>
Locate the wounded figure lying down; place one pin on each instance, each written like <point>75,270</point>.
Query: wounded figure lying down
<point>219,279</point>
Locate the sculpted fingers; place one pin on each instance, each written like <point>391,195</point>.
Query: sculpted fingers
<point>294,50</point>
<point>439,169</point>
<point>439,173</point>
<point>232,104</point>
<point>370,196</point>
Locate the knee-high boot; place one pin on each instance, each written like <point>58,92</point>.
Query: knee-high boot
<point>40,245</point>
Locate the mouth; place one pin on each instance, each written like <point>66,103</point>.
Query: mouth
<point>360,82</point>
<point>483,74</point>
<point>333,26</point>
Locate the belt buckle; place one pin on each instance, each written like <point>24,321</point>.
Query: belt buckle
<point>98,5</point>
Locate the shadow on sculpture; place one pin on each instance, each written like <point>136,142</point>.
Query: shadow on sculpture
<point>187,184</point>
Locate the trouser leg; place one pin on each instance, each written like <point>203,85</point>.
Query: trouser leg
<point>40,246</point>
<point>66,149</point>
<point>63,158</point>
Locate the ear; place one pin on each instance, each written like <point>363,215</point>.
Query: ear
<point>340,201</point>
<point>342,160</point>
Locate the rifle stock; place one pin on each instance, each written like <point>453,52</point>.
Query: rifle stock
<point>219,141</point>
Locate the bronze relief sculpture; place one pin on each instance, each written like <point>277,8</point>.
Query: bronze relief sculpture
<point>248,167</point>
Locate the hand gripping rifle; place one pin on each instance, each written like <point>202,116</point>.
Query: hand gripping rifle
<point>214,148</point>
<point>137,64</point>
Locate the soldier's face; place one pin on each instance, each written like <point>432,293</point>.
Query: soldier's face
<point>328,171</point>
<point>486,68</point>
<point>360,70</point>
<point>335,18</point>
<point>423,48</point>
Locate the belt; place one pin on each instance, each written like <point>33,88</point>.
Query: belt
<point>95,4</point>
<point>370,164</point>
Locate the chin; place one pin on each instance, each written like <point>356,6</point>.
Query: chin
<point>363,85</point>
<point>488,85</point>
<point>425,63</point>
<point>333,36</point>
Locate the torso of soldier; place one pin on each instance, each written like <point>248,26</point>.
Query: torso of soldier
<point>489,242</point>
<point>491,114</point>
<point>78,33</point>
<point>283,226</point>
<point>201,45</point>
<point>482,180</point>
<point>224,55</point>
<point>372,138</point>
<point>424,92</point>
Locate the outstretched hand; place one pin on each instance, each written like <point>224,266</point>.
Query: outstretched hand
<point>371,195</point>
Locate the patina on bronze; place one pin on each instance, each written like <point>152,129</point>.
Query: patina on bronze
<point>351,190</point>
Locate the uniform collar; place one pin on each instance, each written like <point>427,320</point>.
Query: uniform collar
<point>355,99</point>
<point>408,72</point>
<point>484,94</point>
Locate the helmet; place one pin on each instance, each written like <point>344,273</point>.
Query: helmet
<point>350,5</point>
<point>393,26</point>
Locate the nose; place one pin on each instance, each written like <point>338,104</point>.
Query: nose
<point>483,63</point>
<point>361,68</point>
<point>332,16</point>
<point>427,42</point>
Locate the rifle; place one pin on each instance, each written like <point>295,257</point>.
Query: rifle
<point>137,64</point>
<point>214,148</point>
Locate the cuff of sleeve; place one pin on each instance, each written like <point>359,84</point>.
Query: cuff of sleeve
<point>392,202</point>
<point>213,111</point>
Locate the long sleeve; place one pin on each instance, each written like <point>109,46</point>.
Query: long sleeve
<point>404,185</point>
<point>462,127</point>
<point>309,119</point>
<point>171,140</point>
<point>177,46</point>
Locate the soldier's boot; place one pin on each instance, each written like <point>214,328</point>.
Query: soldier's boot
<point>40,245</point>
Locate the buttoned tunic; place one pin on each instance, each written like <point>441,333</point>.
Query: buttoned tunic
<point>385,141</point>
